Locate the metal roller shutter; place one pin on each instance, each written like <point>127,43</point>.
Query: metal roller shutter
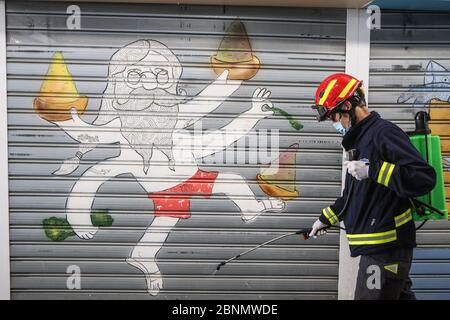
<point>297,47</point>
<point>409,63</point>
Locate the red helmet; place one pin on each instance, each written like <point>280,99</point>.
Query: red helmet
<point>332,91</point>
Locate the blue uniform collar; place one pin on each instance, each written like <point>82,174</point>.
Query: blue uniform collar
<point>358,130</point>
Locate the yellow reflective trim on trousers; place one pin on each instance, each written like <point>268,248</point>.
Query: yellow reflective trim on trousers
<point>326,216</point>
<point>327,92</point>
<point>347,88</point>
<point>333,215</point>
<point>391,169</point>
<point>403,218</point>
<point>380,174</point>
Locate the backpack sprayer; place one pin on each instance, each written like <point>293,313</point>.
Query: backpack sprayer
<point>432,205</point>
<point>427,207</point>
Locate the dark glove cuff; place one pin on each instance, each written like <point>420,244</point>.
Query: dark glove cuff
<point>374,169</point>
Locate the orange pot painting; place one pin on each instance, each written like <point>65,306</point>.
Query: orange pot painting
<point>235,54</point>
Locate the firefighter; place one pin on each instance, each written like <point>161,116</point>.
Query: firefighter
<point>386,171</point>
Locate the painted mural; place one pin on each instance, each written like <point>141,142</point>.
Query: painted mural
<point>235,54</point>
<point>433,96</point>
<point>143,111</point>
<point>436,86</point>
<point>279,179</point>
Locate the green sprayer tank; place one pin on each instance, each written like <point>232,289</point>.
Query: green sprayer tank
<point>429,147</point>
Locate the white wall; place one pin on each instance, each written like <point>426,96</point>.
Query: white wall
<point>356,64</point>
<point>4,211</point>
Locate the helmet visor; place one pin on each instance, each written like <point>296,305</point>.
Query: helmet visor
<point>323,113</point>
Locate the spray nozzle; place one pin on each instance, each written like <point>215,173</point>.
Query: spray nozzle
<point>421,120</point>
<point>220,265</point>
<point>305,233</point>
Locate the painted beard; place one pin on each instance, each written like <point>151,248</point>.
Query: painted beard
<point>150,124</point>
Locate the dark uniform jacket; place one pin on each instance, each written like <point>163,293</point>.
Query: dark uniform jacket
<point>378,216</point>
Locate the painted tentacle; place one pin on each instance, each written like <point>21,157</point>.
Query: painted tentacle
<point>218,140</point>
<point>78,208</point>
<point>89,136</point>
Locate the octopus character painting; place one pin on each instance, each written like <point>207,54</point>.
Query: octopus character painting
<point>145,113</point>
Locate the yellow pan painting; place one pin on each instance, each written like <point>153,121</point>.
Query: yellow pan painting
<point>58,93</point>
<point>279,179</point>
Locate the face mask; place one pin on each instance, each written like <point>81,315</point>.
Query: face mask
<point>340,128</point>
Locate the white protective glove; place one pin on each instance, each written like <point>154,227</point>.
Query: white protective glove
<point>358,169</point>
<point>316,229</point>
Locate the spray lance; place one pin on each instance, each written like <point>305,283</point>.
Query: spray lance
<point>305,231</point>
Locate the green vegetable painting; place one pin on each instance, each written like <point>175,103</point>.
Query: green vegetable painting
<point>59,229</point>
<point>294,123</point>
